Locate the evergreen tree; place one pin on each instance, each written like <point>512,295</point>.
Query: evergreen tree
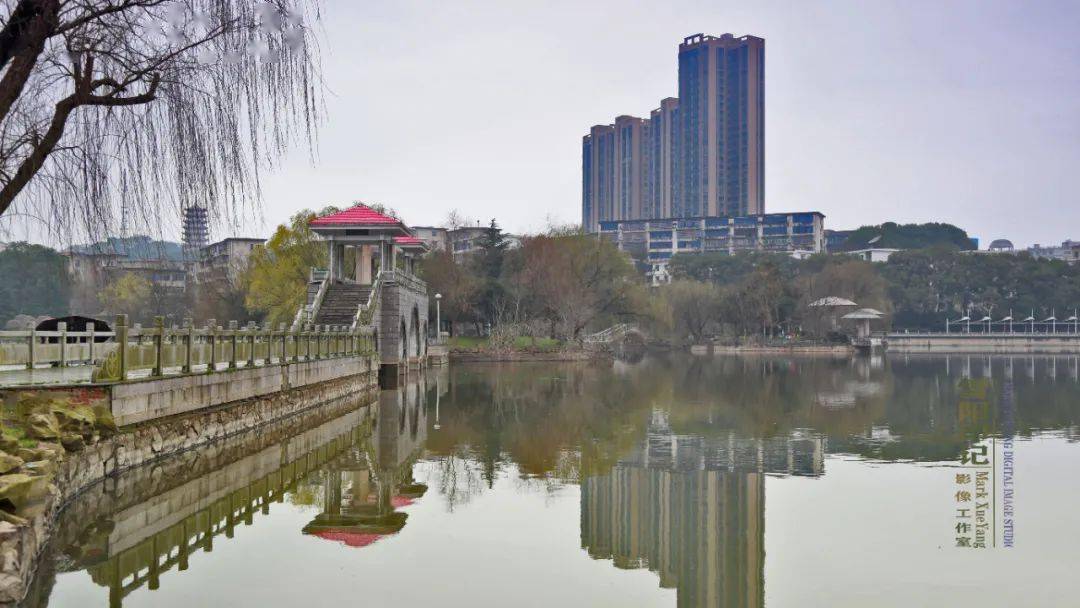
<point>908,236</point>
<point>36,281</point>
<point>492,251</point>
<point>489,265</point>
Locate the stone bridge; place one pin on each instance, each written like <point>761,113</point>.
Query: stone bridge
<point>371,286</point>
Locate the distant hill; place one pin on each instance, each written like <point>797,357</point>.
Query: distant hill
<point>138,247</point>
<point>891,235</point>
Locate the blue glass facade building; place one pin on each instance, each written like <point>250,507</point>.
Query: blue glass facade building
<point>699,155</point>
<point>721,126</point>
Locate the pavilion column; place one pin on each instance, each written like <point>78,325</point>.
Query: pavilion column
<point>363,265</point>
<point>387,257</point>
<point>334,263</point>
<point>339,255</point>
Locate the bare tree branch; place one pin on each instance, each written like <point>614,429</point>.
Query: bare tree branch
<point>127,111</point>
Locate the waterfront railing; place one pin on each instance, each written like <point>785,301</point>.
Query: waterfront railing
<point>159,351</point>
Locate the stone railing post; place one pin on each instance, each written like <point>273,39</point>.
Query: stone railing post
<point>159,347</point>
<point>269,339</point>
<point>211,336</point>
<point>284,344</point>
<point>296,345</point>
<point>90,342</point>
<point>62,328</point>
<point>251,353</point>
<point>306,336</point>
<point>232,344</point>
<point>121,330</point>
<point>189,345</point>
<point>30,348</point>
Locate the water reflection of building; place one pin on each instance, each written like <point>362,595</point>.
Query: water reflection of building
<point>360,462</point>
<point>692,509</point>
<point>139,544</point>
<point>364,487</point>
<point>800,453</point>
<point>701,531</point>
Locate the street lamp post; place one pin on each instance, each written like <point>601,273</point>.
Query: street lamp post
<point>438,317</point>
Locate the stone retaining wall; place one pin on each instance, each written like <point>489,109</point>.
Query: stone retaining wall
<point>142,400</point>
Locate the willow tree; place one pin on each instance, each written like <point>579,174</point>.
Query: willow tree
<point>139,108</point>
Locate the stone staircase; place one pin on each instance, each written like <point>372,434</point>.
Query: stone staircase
<point>340,303</point>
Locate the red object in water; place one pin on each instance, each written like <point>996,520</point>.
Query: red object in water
<point>360,215</point>
<point>400,501</point>
<point>352,539</point>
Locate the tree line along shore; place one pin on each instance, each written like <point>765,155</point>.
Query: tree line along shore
<point>560,285</point>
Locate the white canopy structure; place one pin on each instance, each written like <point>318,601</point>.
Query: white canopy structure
<point>829,307</point>
<point>863,317</point>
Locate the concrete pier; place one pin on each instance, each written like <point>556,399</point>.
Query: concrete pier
<point>1059,343</point>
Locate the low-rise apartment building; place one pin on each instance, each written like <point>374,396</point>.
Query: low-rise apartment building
<point>654,242</point>
<point>224,260</point>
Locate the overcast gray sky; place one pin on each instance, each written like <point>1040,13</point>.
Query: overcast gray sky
<point>965,112</point>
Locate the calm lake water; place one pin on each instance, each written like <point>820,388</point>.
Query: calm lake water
<point>727,481</point>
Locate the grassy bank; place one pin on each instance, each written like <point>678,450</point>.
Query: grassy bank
<point>522,348</point>
<point>520,343</point>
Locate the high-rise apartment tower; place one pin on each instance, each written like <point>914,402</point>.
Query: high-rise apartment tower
<point>699,155</point>
<point>663,135</point>
<point>721,126</point>
<point>598,176</point>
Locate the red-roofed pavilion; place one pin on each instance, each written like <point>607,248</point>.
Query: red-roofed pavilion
<point>376,237</point>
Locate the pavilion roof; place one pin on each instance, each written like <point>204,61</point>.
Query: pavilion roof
<point>357,216</point>
<point>864,313</point>
<point>830,301</point>
<point>349,537</point>
<point>409,242</point>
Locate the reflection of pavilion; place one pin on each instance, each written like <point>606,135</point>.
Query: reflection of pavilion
<point>692,509</point>
<point>364,487</point>
<point>363,460</point>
